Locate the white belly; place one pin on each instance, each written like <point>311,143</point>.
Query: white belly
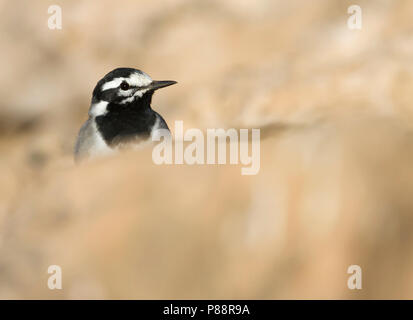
<point>99,147</point>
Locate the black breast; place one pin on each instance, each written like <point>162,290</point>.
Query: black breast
<point>126,122</point>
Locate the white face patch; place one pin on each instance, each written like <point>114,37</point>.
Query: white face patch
<point>125,93</point>
<point>139,80</point>
<point>138,93</point>
<point>98,109</point>
<point>135,79</point>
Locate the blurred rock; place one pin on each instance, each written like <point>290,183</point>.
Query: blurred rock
<point>335,183</point>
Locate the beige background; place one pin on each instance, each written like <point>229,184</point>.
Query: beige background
<point>336,181</point>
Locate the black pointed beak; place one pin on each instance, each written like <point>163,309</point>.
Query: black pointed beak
<point>155,85</point>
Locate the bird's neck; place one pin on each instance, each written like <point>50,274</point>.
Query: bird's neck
<point>125,122</point>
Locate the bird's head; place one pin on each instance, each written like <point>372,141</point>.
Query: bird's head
<point>123,86</point>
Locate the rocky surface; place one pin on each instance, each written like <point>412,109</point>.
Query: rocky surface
<point>334,189</point>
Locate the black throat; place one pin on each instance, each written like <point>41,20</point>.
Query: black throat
<point>127,122</point>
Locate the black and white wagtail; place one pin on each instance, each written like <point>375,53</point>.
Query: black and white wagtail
<point>120,113</point>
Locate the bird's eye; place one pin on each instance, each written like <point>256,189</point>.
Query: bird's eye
<point>124,85</point>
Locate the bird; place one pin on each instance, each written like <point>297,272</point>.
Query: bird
<point>120,114</point>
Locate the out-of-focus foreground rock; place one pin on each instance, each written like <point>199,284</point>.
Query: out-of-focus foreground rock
<point>336,179</point>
